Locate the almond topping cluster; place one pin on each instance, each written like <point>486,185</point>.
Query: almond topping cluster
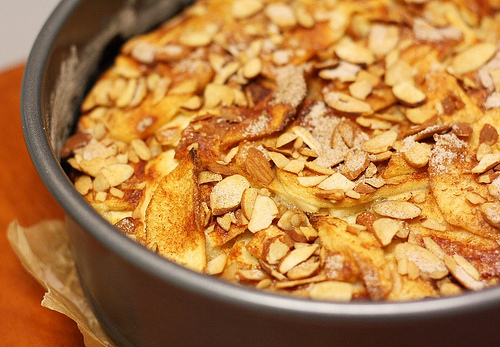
<point>332,150</point>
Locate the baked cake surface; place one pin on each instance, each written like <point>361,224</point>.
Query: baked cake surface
<point>336,150</point>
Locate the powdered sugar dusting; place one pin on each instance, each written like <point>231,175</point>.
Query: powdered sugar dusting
<point>292,86</point>
<point>445,152</point>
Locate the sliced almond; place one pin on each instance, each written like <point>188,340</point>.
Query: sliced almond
<point>491,212</point>
<point>117,173</point>
<point>475,198</point>
<point>418,155</point>
<point>226,195</point>
<point>276,250</point>
<point>354,52</point>
<point>281,14</point>
<point>385,229</point>
<point>397,73</point>
<point>461,275</point>
<point>285,139</point>
<point>294,166</point>
<point>296,256</point>
<point>278,159</point>
<point>488,135</point>
<point>346,103</point>
<point>311,181</point>
<point>246,8</point>
<point>426,261</point>
<point>473,57</point>
<point>397,209</point>
<point>331,290</point>
<point>337,181</point>
<point>263,213</point>
<point>381,142</point>
<point>258,167</point>
<point>307,137</point>
<point>487,162</point>
<point>420,115</point>
<point>467,266</point>
<point>407,93</point>
<point>248,201</point>
<point>303,270</point>
<point>360,90</point>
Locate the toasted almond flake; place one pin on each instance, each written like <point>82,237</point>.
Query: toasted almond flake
<point>307,137</point>
<point>382,39</point>
<point>398,72</point>
<point>430,223</point>
<point>263,213</point>
<point>381,142</point>
<point>450,289</point>
<point>224,221</point>
<point>474,198</point>
<point>344,72</point>
<point>188,86</point>
<point>331,290</point>
<point>251,275</point>
<point>407,93</point>
<point>360,90</point>
<point>83,184</point>
<point>128,94</point>
<point>280,14</point>
<point>226,72</point>
<point>246,8</point>
<point>352,194</point>
<point>491,212</point>
<point>276,250</point>
<point>278,159</point>
<point>258,166</point>
<point>488,135</point>
<point>418,154</point>
<point>337,181</point>
<point>248,201</point>
<point>252,68</point>
<point>461,275</point>
<point>304,19</point>
<point>101,196</point>
<point>487,162</point>
<point>467,266</point>
<point>303,270</point>
<point>216,265</point>
<point>142,149</point>
<point>285,138</point>
<point>425,260</point>
<point>413,270</point>
<point>353,52</point>
<point>385,229</point>
<point>294,166</point>
<point>345,103</point>
<point>193,103</point>
<point>117,173</point>
<point>296,256</point>
<point>376,182</point>
<point>432,246</point>
<point>420,115</point>
<point>397,209</point>
<point>473,57</point>
<point>318,168</point>
<point>195,38</point>
<point>226,195</point>
<point>209,177</point>
<point>311,181</point>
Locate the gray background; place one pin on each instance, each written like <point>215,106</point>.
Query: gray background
<point>20,22</point>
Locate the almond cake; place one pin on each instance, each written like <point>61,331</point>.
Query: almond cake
<point>332,150</point>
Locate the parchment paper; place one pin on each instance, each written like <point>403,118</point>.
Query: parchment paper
<point>44,251</point>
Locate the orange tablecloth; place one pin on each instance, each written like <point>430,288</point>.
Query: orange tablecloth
<point>23,321</point>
